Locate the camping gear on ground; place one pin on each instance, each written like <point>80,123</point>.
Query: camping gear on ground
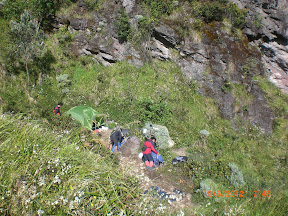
<point>156,192</point>
<point>140,155</point>
<point>157,159</point>
<point>86,116</point>
<point>179,159</point>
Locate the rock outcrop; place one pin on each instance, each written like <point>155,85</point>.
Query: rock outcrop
<point>215,61</point>
<point>268,29</point>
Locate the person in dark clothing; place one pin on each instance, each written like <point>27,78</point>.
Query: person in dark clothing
<point>56,109</point>
<point>115,139</point>
<point>147,149</point>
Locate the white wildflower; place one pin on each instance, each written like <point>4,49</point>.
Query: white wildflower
<point>181,213</point>
<point>57,180</point>
<point>27,201</point>
<point>121,213</point>
<point>77,200</point>
<point>40,212</point>
<point>71,205</point>
<point>81,193</point>
<point>55,203</point>
<point>65,201</point>
<point>77,147</point>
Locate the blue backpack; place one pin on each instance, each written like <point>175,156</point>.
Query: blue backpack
<point>157,160</point>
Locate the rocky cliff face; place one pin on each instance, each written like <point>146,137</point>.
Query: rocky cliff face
<point>268,29</point>
<point>215,60</point>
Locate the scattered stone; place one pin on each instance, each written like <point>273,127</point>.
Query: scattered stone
<point>204,132</point>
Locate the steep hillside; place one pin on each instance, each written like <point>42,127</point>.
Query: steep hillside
<point>188,65</point>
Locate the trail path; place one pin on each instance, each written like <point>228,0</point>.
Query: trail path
<point>133,166</point>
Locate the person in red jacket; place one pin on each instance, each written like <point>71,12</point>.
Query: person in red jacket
<point>56,109</point>
<point>147,148</point>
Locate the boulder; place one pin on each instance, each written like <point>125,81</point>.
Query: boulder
<point>167,35</point>
<point>276,63</point>
<point>79,24</point>
<point>161,133</point>
<point>158,50</point>
<point>131,147</point>
<point>128,5</point>
<point>226,107</point>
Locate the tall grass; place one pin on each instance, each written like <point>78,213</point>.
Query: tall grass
<point>51,173</point>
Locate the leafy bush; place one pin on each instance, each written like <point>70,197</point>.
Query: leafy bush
<point>42,10</point>
<point>152,111</point>
<point>237,16</point>
<point>218,169</point>
<point>159,7</point>
<point>218,10</point>
<point>212,11</point>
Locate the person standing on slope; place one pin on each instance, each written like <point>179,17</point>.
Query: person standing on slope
<point>56,109</point>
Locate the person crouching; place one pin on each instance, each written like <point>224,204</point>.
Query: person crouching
<point>147,149</point>
<point>115,139</point>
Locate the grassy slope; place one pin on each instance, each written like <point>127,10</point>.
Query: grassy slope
<point>48,171</point>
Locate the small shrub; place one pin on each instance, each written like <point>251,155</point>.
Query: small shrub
<point>212,11</point>
<point>237,16</point>
<point>64,36</point>
<point>63,81</point>
<point>227,87</point>
<point>236,177</point>
<point>154,111</point>
<point>123,25</point>
<point>206,186</point>
<point>159,8</point>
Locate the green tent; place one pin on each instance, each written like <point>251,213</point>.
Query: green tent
<point>86,116</point>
